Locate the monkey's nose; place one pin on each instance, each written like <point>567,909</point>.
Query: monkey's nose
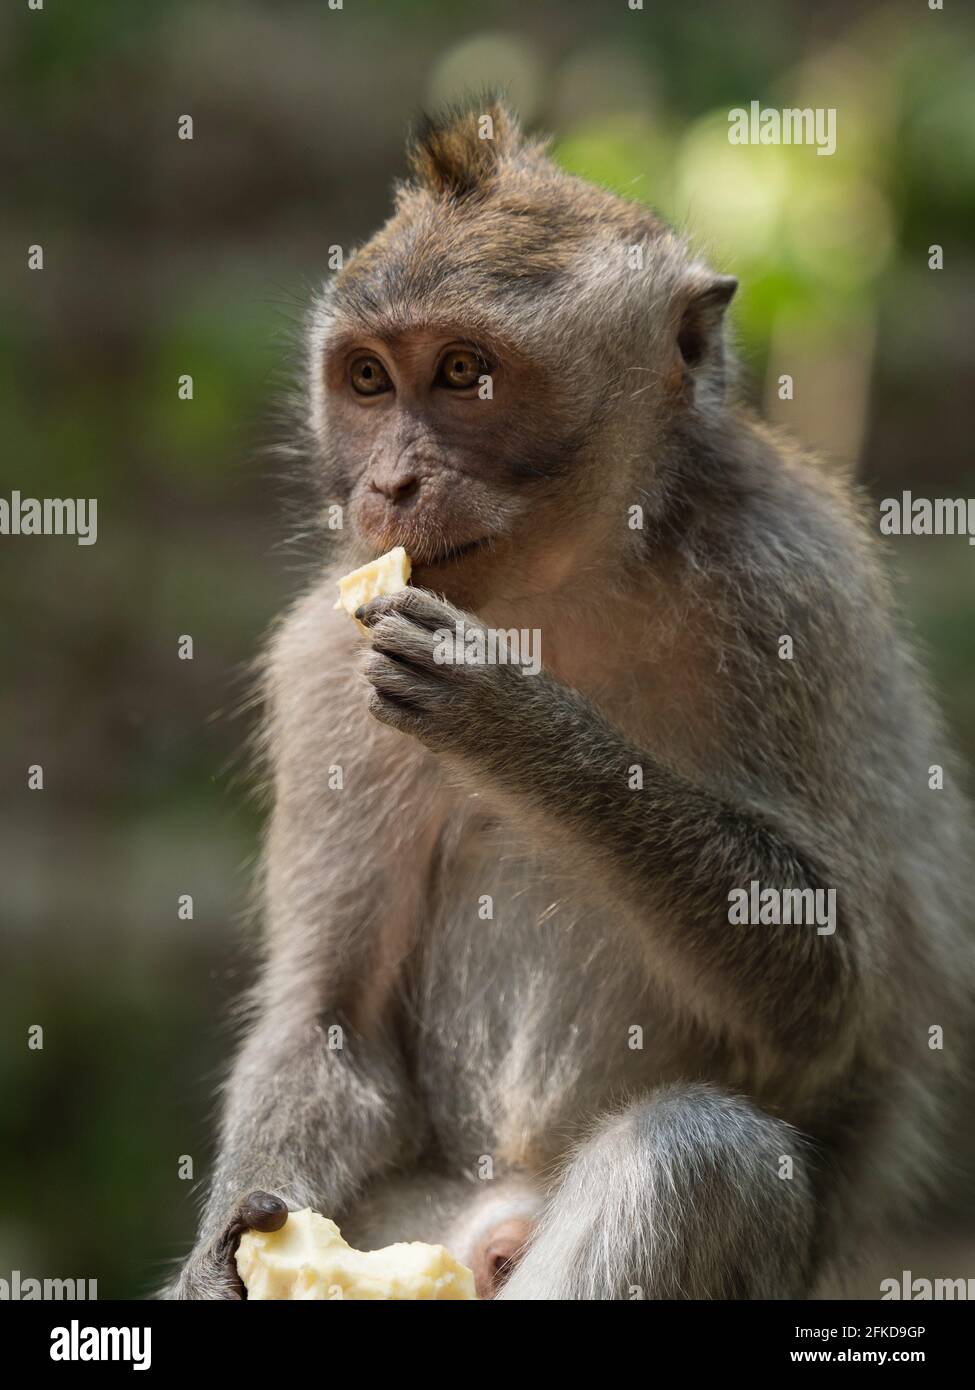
<point>402,488</point>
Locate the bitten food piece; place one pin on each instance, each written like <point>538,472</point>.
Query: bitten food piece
<point>387,575</point>
<point>309,1259</point>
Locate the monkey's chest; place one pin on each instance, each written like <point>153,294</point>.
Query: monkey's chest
<point>533,1003</point>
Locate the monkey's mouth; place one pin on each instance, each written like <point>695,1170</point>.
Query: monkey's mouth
<point>450,554</point>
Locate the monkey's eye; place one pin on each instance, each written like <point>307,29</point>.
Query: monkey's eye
<point>459,369</point>
<point>369,377</point>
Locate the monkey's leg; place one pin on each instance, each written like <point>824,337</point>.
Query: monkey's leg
<point>680,1196</point>
<point>305,1124</point>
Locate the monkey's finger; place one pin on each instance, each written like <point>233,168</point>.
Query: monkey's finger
<point>395,637</point>
<point>258,1211</point>
<point>398,714</point>
<point>262,1211</point>
<point>393,677</point>
<point>420,606</point>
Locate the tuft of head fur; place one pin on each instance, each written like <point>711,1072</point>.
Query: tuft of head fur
<point>458,152</point>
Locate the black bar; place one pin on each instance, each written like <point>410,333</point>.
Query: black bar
<point>186,1339</point>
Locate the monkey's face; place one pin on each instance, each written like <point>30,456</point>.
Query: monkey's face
<point>459,449</point>
<point>494,373</point>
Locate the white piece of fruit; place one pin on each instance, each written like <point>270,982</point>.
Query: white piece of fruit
<point>387,575</point>
<point>308,1259</point>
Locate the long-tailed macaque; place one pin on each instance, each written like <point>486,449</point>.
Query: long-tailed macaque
<point>622,978</point>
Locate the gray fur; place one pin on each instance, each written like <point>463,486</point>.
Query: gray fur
<point>654,1167</point>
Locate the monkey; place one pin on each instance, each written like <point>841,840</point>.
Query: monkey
<point>502,1003</point>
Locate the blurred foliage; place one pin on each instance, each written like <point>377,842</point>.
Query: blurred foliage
<point>165,257</point>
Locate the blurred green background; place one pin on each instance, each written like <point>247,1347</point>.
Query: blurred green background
<point>165,257</point>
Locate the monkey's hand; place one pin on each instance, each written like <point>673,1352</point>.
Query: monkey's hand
<point>433,676</point>
<point>211,1270</point>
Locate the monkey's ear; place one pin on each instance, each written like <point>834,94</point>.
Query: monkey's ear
<point>456,153</point>
<point>700,335</point>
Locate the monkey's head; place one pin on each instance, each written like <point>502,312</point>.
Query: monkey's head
<point>508,366</point>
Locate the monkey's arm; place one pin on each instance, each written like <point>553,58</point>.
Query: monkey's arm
<point>319,1101</point>
<point>306,1121</point>
<point>672,851</point>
